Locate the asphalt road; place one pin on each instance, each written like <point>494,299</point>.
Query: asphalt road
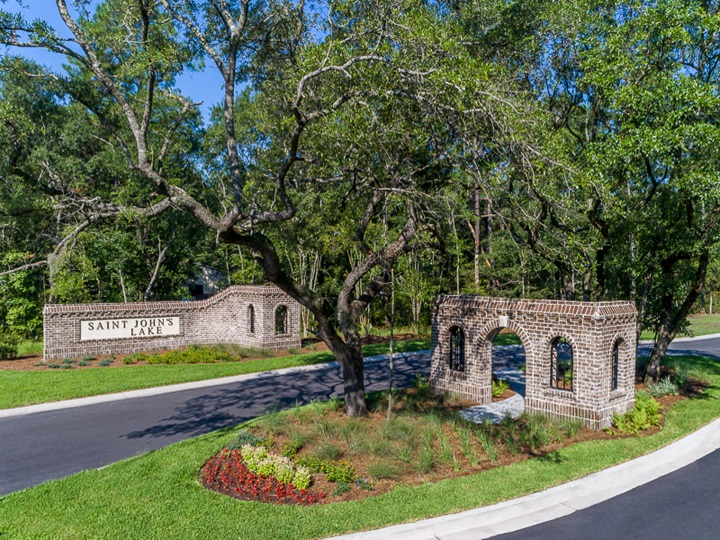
<point>683,505</point>
<point>43,446</point>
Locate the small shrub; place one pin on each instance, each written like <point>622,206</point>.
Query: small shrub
<point>68,361</point>
<point>535,431</point>
<point>87,359</point>
<point>335,471</point>
<point>681,376</point>
<point>341,488</point>
<point>83,363</point>
<point>53,366</point>
<point>365,484</point>
<point>105,363</point>
<point>571,427</point>
<point>137,357</point>
<point>499,386</point>
<point>192,355</point>
<point>8,346</point>
<point>664,387</point>
<point>422,387</point>
<point>302,478</point>
<point>285,472</point>
<point>644,415</point>
<point>294,446</point>
<point>294,350</point>
<point>67,366</point>
<point>340,471</point>
<point>245,437</point>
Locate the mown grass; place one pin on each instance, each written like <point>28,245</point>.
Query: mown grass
<point>18,388</point>
<point>701,324</point>
<point>157,496</point>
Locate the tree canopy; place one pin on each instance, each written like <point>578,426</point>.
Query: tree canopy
<point>522,148</point>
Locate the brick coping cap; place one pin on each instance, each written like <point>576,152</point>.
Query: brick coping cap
<point>120,307</point>
<point>569,307</point>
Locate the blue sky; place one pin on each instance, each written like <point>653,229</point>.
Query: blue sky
<point>200,86</point>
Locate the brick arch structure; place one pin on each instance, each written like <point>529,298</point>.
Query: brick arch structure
<point>591,327</point>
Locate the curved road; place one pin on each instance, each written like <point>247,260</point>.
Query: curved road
<point>43,446</point>
<point>684,504</point>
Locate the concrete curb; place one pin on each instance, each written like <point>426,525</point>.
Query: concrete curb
<point>148,392</point>
<point>683,339</point>
<point>558,501</point>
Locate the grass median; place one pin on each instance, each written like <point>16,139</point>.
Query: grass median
<point>158,496</point>
<point>19,388</point>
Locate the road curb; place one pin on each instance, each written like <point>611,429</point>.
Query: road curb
<point>158,390</point>
<point>682,339</point>
<point>558,501</point>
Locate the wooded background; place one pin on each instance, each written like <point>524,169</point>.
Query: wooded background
<point>522,148</point>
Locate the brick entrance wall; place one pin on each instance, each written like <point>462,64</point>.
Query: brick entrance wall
<point>592,328</point>
<point>222,318</point>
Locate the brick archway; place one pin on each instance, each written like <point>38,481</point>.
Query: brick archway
<point>592,328</point>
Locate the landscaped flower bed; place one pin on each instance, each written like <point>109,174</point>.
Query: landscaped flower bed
<point>425,441</point>
<point>226,473</point>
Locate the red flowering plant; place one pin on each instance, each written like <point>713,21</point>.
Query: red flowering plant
<point>226,473</point>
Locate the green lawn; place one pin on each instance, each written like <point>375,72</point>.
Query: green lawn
<point>157,496</point>
<point>700,325</point>
<point>18,388</point>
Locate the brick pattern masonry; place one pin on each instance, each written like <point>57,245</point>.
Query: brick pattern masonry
<point>223,318</point>
<point>592,328</point>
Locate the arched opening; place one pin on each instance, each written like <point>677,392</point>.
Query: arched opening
<point>457,349</point>
<point>615,364</point>
<point>281,320</point>
<point>561,364</point>
<point>251,319</point>
<point>507,363</point>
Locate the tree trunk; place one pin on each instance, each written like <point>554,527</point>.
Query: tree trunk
<point>350,357</point>
<point>476,238</point>
<point>568,285</point>
<point>351,361</point>
<point>641,305</point>
<point>670,323</point>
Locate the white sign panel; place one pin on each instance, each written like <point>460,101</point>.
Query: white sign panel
<point>129,328</point>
